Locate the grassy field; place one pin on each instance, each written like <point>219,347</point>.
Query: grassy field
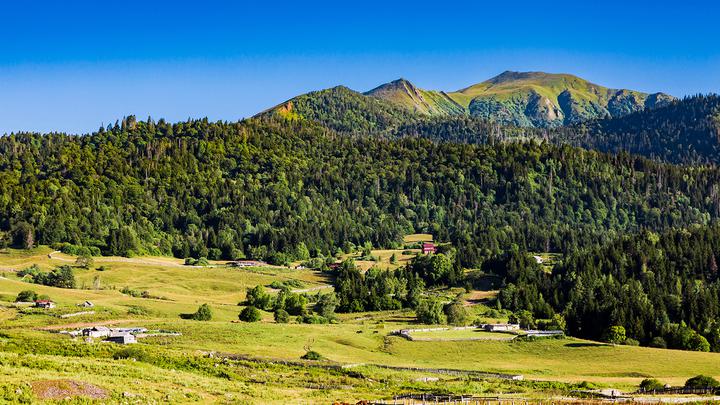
<point>358,339</point>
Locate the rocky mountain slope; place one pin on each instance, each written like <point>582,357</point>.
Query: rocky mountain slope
<point>523,99</point>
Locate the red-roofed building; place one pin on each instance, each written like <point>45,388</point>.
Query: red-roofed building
<point>428,248</point>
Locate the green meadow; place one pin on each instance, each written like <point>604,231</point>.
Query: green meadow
<point>264,368</point>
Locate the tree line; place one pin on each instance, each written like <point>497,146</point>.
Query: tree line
<point>276,189</point>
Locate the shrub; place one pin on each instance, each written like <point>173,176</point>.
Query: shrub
<point>257,297</point>
<point>456,313</point>
<point>313,319</point>
<point>84,261</point>
<point>312,355</point>
<point>615,334</point>
<point>281,316</point>
<point>524,318</point>
<point>658,342</point>
<point>26,296</point>
<point>430,312</point>
<point>204,313</point>
<point>651,384</point>
<point>138,310</point>
<point>702,381</point>
<point>326,305</point>
<point>136,353</point>
<point>250,314</point>
<point>631,342</point>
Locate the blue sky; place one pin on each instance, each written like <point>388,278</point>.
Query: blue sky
<point>71,66</point>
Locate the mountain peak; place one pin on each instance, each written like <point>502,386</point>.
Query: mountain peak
<point>402,92</point>
<point>512,76</point>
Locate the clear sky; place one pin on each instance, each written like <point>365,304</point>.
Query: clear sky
<point>74,65</point>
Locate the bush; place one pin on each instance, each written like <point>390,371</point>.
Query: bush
<point>658,342</point>
<point>313,319</point>
<point>138,310</point>
<point>250,314</point>
<point>456,313</point>
<point>26,296</point>
<point>615,334</point>
<point>702,381</point>
<point>651,384</point>
<point>204,313</point>
<point>84,261</point>
<point>430,312</point>
<point>258,298</point>
<point>631,342</point>
<point>281,316</point>
<point>312,355</point>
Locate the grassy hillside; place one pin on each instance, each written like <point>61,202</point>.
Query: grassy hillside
<point>345,110</point>
<point>547,100</point>
<point>29,345</point>
<point>403,93</point>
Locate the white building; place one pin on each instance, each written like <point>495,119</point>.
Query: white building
<point>96,332</point>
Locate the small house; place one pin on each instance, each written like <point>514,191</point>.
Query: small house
<point>96,332</point>
<point>46,304</point>
<point>123,339</point>
<point>502,327</point>
<point>86,304</point>
<point>428,248</point>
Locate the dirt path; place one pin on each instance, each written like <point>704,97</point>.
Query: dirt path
<point>478,297</point>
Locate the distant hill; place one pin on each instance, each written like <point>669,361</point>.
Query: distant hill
<point>684,131</point>
<point>404,94</point>
<point>344,110</point>
<point>523,99</point>
<point>536,99</point>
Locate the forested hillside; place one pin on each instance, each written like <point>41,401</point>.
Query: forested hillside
<point>681,131</point>
<point>274,189</point>
<point>662,288</point>
<point>685,131</point>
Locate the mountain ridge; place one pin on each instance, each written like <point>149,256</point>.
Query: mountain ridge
<point>522,99</point>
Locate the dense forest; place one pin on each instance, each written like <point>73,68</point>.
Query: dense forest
<point>272,188</point>
<point>683,131</point>
<point>664,289</point>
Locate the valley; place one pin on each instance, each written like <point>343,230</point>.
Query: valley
<point>361,342</point>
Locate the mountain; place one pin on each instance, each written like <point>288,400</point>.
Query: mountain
<point>403,93</point>
<point>524,99</point>
<point>344,110</point>
<point>536,99</point>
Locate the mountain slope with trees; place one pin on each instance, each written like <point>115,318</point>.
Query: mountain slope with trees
<point>276,189</point>
<point>662,289</point>
<point>684,131</point>
<point>521,99</point>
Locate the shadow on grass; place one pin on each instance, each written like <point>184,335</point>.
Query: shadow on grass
<point>586,345</point>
